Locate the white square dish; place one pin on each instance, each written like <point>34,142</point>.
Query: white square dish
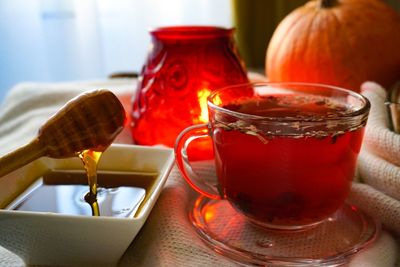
<point>48,238</point>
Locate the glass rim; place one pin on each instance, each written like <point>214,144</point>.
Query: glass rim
<point>364,110</point>
<point>191,32</point>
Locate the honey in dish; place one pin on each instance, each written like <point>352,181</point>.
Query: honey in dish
<point>119,194</point>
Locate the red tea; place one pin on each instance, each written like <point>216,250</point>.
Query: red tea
<point>287,178</point>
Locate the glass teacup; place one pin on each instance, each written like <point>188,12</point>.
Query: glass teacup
<point>285,153</point>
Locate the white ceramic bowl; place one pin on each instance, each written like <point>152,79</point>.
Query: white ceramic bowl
<point>44,238</point>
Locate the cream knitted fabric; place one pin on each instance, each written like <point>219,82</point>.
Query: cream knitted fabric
<point>167,238</point>
<point>379,161</point>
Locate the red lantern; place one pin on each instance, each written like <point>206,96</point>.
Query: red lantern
<point>183,66</point>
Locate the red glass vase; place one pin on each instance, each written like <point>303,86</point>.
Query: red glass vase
<point>184,65</point>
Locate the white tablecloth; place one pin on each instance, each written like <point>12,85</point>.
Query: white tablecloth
<point>167,238</point>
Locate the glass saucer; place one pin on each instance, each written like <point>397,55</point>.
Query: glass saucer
<point>331,243</point>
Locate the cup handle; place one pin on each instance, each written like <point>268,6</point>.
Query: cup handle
<point>181,157</point>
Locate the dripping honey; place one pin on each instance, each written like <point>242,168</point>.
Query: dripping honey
<point>90,159</point>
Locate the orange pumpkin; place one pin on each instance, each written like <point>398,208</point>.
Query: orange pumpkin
<point>337,42</point>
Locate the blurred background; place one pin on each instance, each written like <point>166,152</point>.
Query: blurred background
<point>66,40</point>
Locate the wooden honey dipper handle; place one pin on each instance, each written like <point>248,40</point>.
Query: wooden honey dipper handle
<point>92,120</point>
<point>21,157</point>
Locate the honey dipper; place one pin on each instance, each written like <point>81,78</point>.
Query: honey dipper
<point>91,120</point>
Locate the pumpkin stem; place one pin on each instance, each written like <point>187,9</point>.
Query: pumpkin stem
<point>328,3</point>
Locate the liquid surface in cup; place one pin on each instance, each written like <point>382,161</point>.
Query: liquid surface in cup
<point>286,179</point>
